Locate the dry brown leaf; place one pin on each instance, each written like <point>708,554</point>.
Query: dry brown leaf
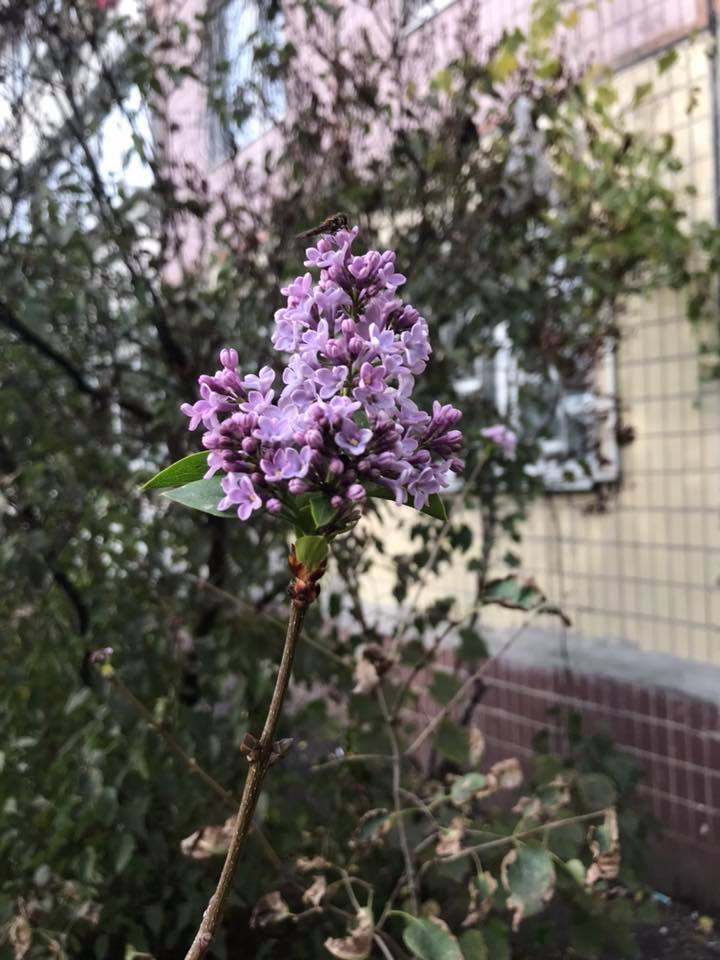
<point>20,936</point>
<point>366,676</point>
<point>314,894</point>
<point>476,747</point>
<point>358,944</point>
<point>506,774</point>
<point>605,846</point>
<point>269,909</point>
<point>450,842</point>
<point>208,841</point>
<point>481,889</point>
<point>306,864</point>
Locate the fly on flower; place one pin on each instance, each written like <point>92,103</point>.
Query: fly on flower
<point>329,226</point>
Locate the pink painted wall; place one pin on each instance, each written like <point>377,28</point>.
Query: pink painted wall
<point>616,33</point>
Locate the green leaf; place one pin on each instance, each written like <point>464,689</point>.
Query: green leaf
<point>466,787</point>
<point>124,849</point>
<point>597,790</point>
<point>434,508</point>
<point>322,512</point>
<point>178,474</point>
<point>473,946</point>
<point>311,551</point>
<point>201,495</point>
<point>444,686</point>
<point>429,941</point>
<point>451,742</point>
<point>666,60</point>
<point>472,645</point>
<point>496,939</point>
<point>511,592</point>
<point>576,869</point>
<point>528,874</point>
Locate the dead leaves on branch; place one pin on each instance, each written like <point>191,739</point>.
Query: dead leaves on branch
<point>268,910</point>
<point>208,841</point>
<point>605,846</point>
<point>372,664</point>
<point>358,943</point>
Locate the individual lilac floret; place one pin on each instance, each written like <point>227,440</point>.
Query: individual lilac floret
<point>503,436</point>
<point>343,421</point>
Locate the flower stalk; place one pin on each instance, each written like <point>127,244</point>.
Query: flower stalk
<point>303,591</point>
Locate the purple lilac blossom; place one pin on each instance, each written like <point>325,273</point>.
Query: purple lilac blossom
<point>342,419</point>
<point>503,436</point>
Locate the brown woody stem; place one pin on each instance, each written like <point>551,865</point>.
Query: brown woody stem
<point>251,791</point>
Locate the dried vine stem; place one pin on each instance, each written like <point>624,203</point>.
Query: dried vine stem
<point>260,761</point>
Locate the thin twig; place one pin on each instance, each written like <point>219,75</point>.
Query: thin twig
<point>396,787</point>
<point>384,949</point>
<point>229,799</point>
<point>351,758</point>
<point>413,604</point>
<point>190,762</point>
<point>251,791</point>
<point>250,608</point>
<point>467,684</point>
<point>524,835</point>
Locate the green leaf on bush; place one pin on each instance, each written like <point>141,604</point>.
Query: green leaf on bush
<point>466,787</point>
<point>124,849</point>
<point>497,939</point>
<point>311,551</point>
<point>322,512</point>
<point>203,495</point>
<point>451,742</point>
<point>444,687</point>
<point>472,645</point>
<point>528,874</point>
<point>576,869</point>
<point>596,790</point>
<point>179,473</point>
<point>513,593</point>
<point>433,508</point>
<point>429,941</point>
<point>473,946</point>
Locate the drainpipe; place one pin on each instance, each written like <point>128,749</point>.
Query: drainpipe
<point>712,27</point>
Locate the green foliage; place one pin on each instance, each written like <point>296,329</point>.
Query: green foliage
<point>113,299</point>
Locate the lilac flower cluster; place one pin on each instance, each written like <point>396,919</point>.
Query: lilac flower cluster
<point>343,420</point>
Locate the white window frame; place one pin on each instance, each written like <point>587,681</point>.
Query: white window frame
<point>222,142</point>
<point>424,12</point>
<point>560,469</point>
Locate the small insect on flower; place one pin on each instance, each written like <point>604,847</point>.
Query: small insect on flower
<point>329,226</point>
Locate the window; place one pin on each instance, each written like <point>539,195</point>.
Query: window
<point>577,425</point>
<point>416,12</point>
<point>247,102</point>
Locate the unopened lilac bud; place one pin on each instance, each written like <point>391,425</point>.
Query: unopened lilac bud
<point>333,350</point>
<point>273,505</point>
<point>249,445</point>
<point>348,326</point>
<point>355,492</point>
<point>296,485</point>
<point>457,465</point>
<point>336,465</point>
<point>336,502</point>
<point>356,346</point>
<point>229,358</point>
<point>314,439</point>
<point>257,477</point>
<point>299,438</point>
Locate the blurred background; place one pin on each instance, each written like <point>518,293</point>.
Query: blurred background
<point>548,176</point>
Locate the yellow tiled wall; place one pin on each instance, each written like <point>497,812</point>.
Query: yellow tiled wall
<point>647,571</point>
